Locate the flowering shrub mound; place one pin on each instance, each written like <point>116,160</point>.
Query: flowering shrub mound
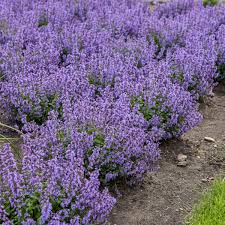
<point>50,189</point>
<point>96,86</point>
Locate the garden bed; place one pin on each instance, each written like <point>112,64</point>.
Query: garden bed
<point>95,91</point>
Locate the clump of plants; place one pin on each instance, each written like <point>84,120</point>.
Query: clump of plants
<point>96,86</point>
<point>52,190</point>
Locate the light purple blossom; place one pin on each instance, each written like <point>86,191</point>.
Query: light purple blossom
<point>96,86</point>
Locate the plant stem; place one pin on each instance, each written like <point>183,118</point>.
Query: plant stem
<point>11,128</point>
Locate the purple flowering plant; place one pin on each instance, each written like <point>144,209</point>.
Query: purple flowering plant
<point>50,190</point>
<point>95,86</point>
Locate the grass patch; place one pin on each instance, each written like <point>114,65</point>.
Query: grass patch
<point>211,209</point>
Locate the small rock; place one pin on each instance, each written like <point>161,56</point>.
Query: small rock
<point>198,157</point>
<point>215,146</point>
<point>197,144</point>
<point>211,94</point>
<point>209,139</point>
<point>208,179</point>
<point>182,164</point>
<point>204,180</point>
<point>181,157</point>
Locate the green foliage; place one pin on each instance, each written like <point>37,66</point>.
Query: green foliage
<point>104,154</point>
<point>63,138</point>
<point>155,110</point>
<point>194,85</point>
<point>211,209</point>
<point>56,203</point>
<point>80,44</point>
<point>163,114</point>
<point>221,69</point>
<point>157,42</point>
<point>156,39</point>
<point>210,2</point>
<point>2,77</point>
<point>3,24</point>
<point>97,81</point>
<point>99,141</point>
<point>39,114</point>
<point>94,80</point>
<point>43,21</point>
<point>111,168</point>
<point>64,53</point>
<point>12,215</point>
<point>178,77</point>
<point>139,64</point>
<point>221,72</point>
<point>57,206</point>
<point>143,108</point>
<point>31,207</point>
<point>91,129</point>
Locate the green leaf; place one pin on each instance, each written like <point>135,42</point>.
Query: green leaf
<point>43,21</point>
<point>210,2</point>
<point>99,141</point>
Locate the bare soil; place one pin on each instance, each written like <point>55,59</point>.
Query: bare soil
<point>166,197</point>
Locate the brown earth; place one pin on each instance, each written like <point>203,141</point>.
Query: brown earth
<point>167,196</point>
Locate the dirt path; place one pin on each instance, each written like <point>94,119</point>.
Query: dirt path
<point>166,197</point>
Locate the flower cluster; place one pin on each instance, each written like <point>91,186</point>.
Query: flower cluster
<point>96,85</point>
<point>50,189</point>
